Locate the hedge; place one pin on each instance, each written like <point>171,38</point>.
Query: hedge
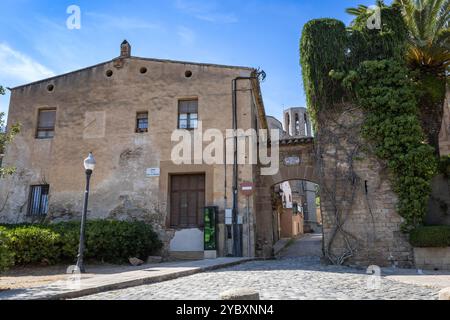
<point>106,241</point>
<point>437,236</point>
<point>6,255</point>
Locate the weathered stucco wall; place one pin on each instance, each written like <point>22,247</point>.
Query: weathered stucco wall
<point>98,113</point>
<point>444,136</point>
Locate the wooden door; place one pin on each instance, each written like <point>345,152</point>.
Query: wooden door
<point>187,201</point>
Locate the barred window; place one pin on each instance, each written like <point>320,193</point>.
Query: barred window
<point>142,122</point>
<point>38,203</point>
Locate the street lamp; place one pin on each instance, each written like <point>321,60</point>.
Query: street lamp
<point>89,165</point>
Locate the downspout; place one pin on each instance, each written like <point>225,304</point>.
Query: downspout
<point>237,252</point>
<point>237,241</point>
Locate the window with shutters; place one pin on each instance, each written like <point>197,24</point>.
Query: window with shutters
<point>38,202</point>
<point>46,124</point>
<point>188,114</point>
<point>142,122</point>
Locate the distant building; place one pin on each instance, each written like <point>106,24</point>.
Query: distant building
<point>297,122</point>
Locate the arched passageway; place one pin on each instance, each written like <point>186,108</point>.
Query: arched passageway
<point>297,162</point>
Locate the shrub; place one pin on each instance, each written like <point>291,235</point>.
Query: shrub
<point>106,241</point>
<point>437,236</point>
<point>33,244</point>
<point>6,256</point>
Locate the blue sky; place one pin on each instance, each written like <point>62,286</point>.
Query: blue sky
<point>35,42</point>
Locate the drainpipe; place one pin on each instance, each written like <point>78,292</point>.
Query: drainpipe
<point>237,241</point>
<point>237,251</point>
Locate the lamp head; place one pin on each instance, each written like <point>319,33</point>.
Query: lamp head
<point>89,162</point>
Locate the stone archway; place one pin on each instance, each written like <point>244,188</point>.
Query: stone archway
<point>297,162</point>
<point>361,225</point>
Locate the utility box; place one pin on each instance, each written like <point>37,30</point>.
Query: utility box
<point>210,233</point>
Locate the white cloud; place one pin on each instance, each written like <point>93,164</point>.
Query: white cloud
<point>187,36</point>
<point>205,10</point>
<point>218,17</point>
<point>120,22</point>
<point>16,67</point>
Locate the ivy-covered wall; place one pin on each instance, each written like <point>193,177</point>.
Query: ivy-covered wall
<point>365,71</point>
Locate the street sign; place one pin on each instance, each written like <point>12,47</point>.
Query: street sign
<point>153,172</point>
<point>247,188</point>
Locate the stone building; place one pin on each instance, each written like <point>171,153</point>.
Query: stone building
<point>297,122</point>
<point>125,111</point>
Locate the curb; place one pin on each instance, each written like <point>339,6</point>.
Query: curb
<point>138,282</point>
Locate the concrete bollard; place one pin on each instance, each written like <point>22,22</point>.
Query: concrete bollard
<point>240,294</point>
<point>444,294</point>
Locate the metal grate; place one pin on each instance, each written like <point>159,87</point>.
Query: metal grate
<point>38,205</point>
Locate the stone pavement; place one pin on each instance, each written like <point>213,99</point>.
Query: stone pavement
<point>300,278</point>
<point>102,282</point>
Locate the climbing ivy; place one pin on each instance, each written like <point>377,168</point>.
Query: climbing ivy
<point>385,90</point>
<point>388,42</point>
<point>367,68</point>
<point>322,48</point>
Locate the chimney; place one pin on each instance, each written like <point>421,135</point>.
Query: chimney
<point>125,49</point>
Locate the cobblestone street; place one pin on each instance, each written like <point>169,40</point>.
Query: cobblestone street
<point>299,278</point>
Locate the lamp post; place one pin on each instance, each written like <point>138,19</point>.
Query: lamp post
<point>89,165</point>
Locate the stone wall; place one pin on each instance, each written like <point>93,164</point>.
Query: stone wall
<point>444,137</point>
<point>360,222</point>
<point>432,258</point>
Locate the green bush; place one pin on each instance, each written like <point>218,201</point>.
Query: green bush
<point>438,236</point>
<point>6,256</point>
<point>33,244</point>
<point>106,241</point>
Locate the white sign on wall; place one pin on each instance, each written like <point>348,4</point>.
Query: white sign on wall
<point>153,172</point>
<point>292,161</point>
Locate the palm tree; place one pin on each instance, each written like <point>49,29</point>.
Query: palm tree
<point>362,9</point>
<point>429,54</point>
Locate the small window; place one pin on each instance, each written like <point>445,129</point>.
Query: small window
<point>295,208</point>
<point>46,124</point>
<point>142,122</point>
<point>188,114</point>
<point>38,205</point>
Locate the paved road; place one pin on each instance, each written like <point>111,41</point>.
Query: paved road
<point>308,245</point>
<point>300,278</point>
